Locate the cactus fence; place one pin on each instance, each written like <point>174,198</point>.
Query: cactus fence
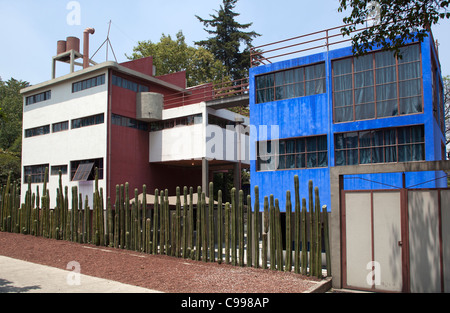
<point>234,233</point>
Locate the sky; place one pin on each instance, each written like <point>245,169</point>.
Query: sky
<point>30,29</point>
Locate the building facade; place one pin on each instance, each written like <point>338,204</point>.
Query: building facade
<point>132,126</point>
<point>333,109</point>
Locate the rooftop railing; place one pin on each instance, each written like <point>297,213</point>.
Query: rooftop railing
<point>207,92</point>
<point>320,40</point>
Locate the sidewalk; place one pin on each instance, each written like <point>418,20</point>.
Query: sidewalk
<point>18,276</point>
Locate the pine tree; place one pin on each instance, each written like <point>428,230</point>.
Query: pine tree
<point>227,40</point>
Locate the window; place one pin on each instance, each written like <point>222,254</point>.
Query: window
<point>297,82</point>
<point>38,98</point>
<point>84,170</point>
<point>377,85</point>
<point>295,153</point>
<point>185,120</point>
<point>37,131</point>
<point>58,127</point>
<point>55,170</point>
<point>127,84</point>
<point>402,144</point>
<point>128,122</point>
<point>88,83</point>
<point>37,173</point>
<point>88,121</point>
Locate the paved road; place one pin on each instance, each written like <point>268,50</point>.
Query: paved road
<point>18,276</point>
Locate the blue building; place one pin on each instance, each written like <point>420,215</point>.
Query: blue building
<point>333,109</point>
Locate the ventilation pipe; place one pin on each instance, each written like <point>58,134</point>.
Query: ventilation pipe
<point>87,31</point>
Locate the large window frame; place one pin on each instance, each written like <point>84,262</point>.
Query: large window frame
<point>37,173</point>
<point>88,121</point>
<point>386,145</point>
<point>291,83</point>
<point>88,83</point>
<point>96,163</point>
<point>292,153</point>
<point>378,85</point>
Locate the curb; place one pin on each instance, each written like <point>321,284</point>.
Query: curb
<point>321,287</point>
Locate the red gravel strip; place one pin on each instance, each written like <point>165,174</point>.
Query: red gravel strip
<point>158,272</point>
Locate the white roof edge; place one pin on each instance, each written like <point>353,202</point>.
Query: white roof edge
<point>99,67</point>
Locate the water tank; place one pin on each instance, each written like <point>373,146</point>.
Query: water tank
<point>149,106</point>
<point>60,47</point>
<point>73,43</point>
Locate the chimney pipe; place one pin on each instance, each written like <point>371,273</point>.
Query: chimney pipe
<point>87,31</point>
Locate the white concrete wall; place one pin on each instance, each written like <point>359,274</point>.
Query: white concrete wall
<point>71,145</point>
<point>199,140</point>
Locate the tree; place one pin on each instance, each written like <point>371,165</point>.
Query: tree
<point>447,108</point>
<point>11,103</point>
<point>227,39</point>
<point>170,56</point>
<point>396,22</point>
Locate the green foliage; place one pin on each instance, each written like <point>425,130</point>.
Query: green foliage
<point>399,22</point>
<point>228,35</point>
<point>174,55</point>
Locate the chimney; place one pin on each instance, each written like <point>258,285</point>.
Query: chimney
<point>87,31</point>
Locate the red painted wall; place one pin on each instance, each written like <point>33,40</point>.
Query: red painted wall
<point>129,152</point>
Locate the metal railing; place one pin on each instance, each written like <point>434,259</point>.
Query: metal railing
<point>323,39</point>
<point>207,92</point>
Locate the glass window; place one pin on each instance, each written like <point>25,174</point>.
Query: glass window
<point>298,82</point>
<point>377,85</point>
<point>88,121</point>
<point>36,172</point>
<point>403,144</point>
<point>305,152</point>
<point>88,83</point>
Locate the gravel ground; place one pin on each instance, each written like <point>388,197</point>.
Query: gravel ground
<point>158,272</point>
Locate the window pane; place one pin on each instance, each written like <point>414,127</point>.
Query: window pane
<point>363,63</point>
<point>300,145</point>
<point>339,158</point>
<point>298,74</point>
<point>311,144</point>
<point>343,98</point>
<point>364,79</point>
<point>364,111</point>
<point>417,134</point>
<point>384,58</point>
<point>409,53</point>
<point>300,159</point>
<point>322,143</point>
<point>387,108</point>
<point>387,92</point>
<point>364,95</point>
<point>409,70</point>
<point>411,105</point>
<point>299,90</point>
<point>386,75</point>
<point>281,162</point>
<point>418,152</point>
<point>311,160</point>
<point>343,82</point>
<point>309,88</point>
<point>365,139</point>
<point>410,88</point>
<point>279,79</point>
<point>404,153</point>
<point>290,146</point>
<point>390,154</point>
<point>365,156</point>
<point>320,86</point>
<point>322,159</point>
<point>342,67</point>
<point>290,161</point>
<point>343,114</point>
